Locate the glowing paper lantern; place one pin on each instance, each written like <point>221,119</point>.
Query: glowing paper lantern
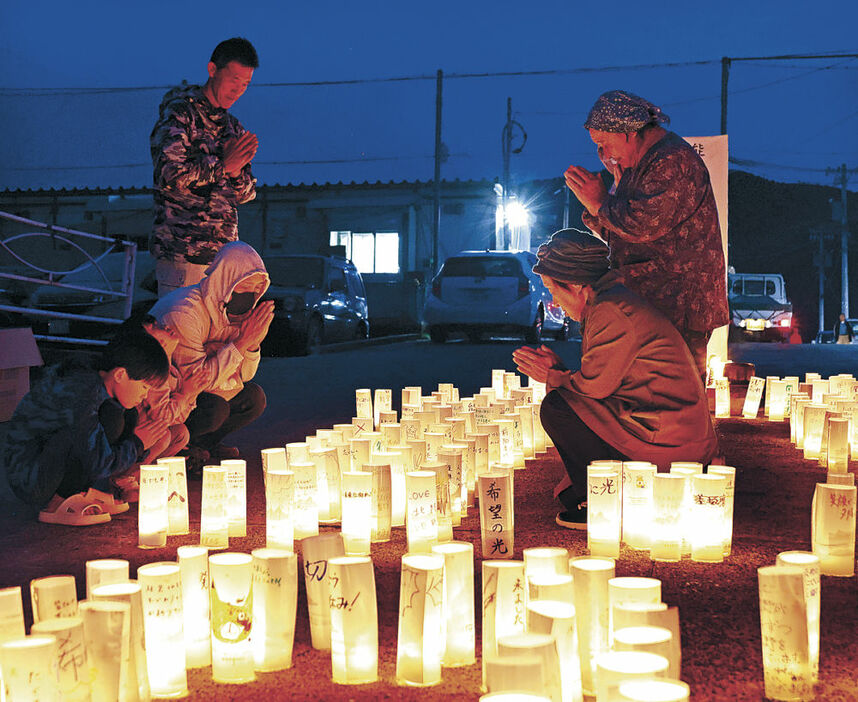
<point>787,669</point>
<point>668,496</point>
<point>418,453</point>
<point>359,452</point>
<point>161,589</point>
<point>381,501</point>
<point>421,639</point>
<point>297,452</point>
<point>776,401</point>
<point>30,669</point>
<point>196,605</point>
<point>391,434</point>
<point>11,613</point>
<point>708,510</point>
<point>363,403</point>
<point>511,678</point>
<point>833,528</point>
<point>354,620</point>
<point>328,484</point>
<point>400,462</point>
<point>279,497</point>
<point>797,421</point>
<point>411,395</point>
<point>813,424</point>
<point>751,407</point>
<point>592,610</point>
<point>410,429</point>
<point>617,667</point>
<point>634,614</point>
<point>444,511</point>
<point>305,510</point>
<point>459,602</point>
<point>820,387</point>
<point>543,560</point>
<point>177,495</point>
<point>214,520</point>
<point>421,520</point>
<point>729,473</point>
<point>496,515</point>
<point>376,443</point>
<point>104,571</point>
<point>53,597</point>
<point>654,691</point>
<point>687,470</point>
<point>543,647</point>
<point>838,444</point>
<point>503,600</point>
<point>840,478</point>
<point>715,367</point>
<point>135,684</point>
<point>638,479</point>
<point>604,502</point>
<point>451,456</point>
<point>631,590</point>
<point>525,414</point>
<point>481,454</point>
<point>382,403</point>
<point>722,397</point>
<point>557,619</point>
<point>232,616</point>
<point>493,430</point>
<point>357,512</point>
<point>152,519</point>
<point>316,552</point>
<point>550,586</point>
<point>71,653</point>
<point>347,430</point>
<point>107,631</point>
<point>273,459</point>
<point>236,496</point>
<point>275,605</point>
<point>808,563</point>
<point>652,639</point>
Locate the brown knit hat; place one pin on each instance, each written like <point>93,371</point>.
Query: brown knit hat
<point>573,256</point>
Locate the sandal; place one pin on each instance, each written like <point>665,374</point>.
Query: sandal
<point>77,510</point>
<point>107,502</point>
<point>129,489</point>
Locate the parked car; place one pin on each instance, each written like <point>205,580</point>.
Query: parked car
<point>317,300</point>
<point>480,292</point>
<point>824,337</point>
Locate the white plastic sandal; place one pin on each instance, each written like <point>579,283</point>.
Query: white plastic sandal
<point>76,510</point>
<point>107,502</point>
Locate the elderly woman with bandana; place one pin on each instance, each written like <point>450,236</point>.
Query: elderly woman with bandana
<point>660,219</point>
<point>636,395</point>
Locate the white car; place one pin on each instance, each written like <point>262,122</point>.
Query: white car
<point>492,292</point>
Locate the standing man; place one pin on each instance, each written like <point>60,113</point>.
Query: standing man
<point>202,156</point>
<point>661,222</point>
<point>843,330</point>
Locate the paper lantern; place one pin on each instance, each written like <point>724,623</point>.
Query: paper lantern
<point>297,452</point>
<point>410,429</point>
<point>751,407</point>
<point>797,421</point>
<point>651,639</point>
<point>161,590</point>
<point>517,438</point>
<point>550,586</point>
<point>104,571</point>
<point>360,453</point>
<point>411,395</point>
<point>633,614</point>
<point>820,387</point>
<point>231,587</point>
<point>457,425</point>
<point>708,512</point>
<point>421,638</point>
<point>357,512</point>
<point>443,507</point>
<point>316,552</point>
<point>363,403</point>
<point>376,443</point>
<point>481,454</point>
<point>400,461</point>
<point>53,597</point>
<point>557,619</point>
<point>543,647</point>
<point>459,615</point>
<point>328,484</point>
<point>451,456</point>
<point>275,605</point>
<point>503,598</point>
<point>493,430</point>
<point>525,414</point>
<point>347,430</point>
<point>506,440</point>
<point>418,453</point>
<point>787,670</point>
<point>382,403</point>
<point>715,367</point>
<point>421,520</point>
<point>617,667</point>
<point>668,497</point>
<point>722,397</point>
<point>840,478</point>
<point>279,498</point>
<point>329,437</point>
<point>654,691</point>
<point>813,425</point>
<point>107,632</point>
<point>381,501</point>
<point>833,528</point>
<point>354,620</point>
<point>632,590</point>
<point>776,400</point>
<point>214,520</point>
<point>391,433</point>
<point>30,669</point>
<point>73,666</point>
<point>543,560</point>
<point>236,496</point>
<point>152,517</point>
<point>687,470</point>
<point>305,510</point>
<point>604,502</point>
<point>838,444</point>
<point>638,479</point>
<point>729,473</point>
<point>434,441</point>
<point>497,520</point>
<point>11,613</point>
<point>196,605</point>
<point>511,678</point>
<point>808,563</point>
<point>177,495</point>
<point>272,459</point>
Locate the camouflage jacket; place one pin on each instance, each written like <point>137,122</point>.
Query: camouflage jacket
<point>65,399</point>
<point>195,200</point>
<point>662,227</point>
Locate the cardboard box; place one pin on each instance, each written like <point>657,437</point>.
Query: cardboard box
<point>18,351</point>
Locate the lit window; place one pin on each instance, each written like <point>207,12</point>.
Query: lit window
<point>387,252</point>
<point>371,252</point>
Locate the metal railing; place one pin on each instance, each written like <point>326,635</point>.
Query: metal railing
<point>54,277</point>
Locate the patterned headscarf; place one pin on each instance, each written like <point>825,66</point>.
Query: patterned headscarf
<point>573,256</point>
<point>623,112</point>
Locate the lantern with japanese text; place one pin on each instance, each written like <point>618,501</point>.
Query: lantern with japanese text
<point>444,510</point>
<point>177,495</point>
<point>231,590</point>
<point>638,477</point>
<point>503,600</point>
<point>813,424</point>
<point>354,620</point>
<point>357,512</point>
<point>53,596</point>
<point>316,551</point>
<point>708,510</point>
<point>833,528</point>
<point>305,509</point>
<point>196,605</point>
<point>604,503</point>
<point>29,668</point>
<point>214,520</point>
<point>496,515</point>
<point>381,500</point>
<point>808,563</point>
<point>421,520</point>
<point>73,666</point>
<point>152,514</point>
<point>236,495</point>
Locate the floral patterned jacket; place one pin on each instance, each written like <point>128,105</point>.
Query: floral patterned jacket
<point>195,200</point>
<point>662,227</point>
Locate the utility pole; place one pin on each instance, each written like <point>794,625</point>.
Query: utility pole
<point>725,77</point>
<point>436,208</point>
<point>841,180</point>
<point>821,259</point>
<point>507,147</point>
